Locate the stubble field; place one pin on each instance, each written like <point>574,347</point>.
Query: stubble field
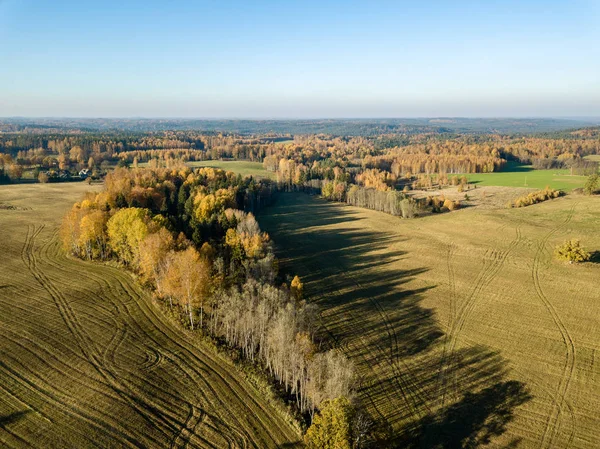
<point>86,360</point>
<point>464,330</point>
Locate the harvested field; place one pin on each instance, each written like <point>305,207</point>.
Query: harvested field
<point>86,359</point>
<point>465,330</point>
<point>490,197</point>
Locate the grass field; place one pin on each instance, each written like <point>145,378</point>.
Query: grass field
<point>593,157</point>
<point>525,176</point>
<point>244,168</point>
<point>463,328</point>
<point>86,360</point>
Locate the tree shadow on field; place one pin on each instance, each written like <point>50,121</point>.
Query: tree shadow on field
<point>419,391</point>
<point>297,445</point>
<point>516,167</point>
<point>595,257</point>
<point>5,420</point>
<point>475,419</point>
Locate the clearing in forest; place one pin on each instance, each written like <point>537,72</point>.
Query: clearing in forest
<point>244,168</point>
<point>515,175</point>
<point>463,328</point>
<point>593,157</point>
<point>86,360</point>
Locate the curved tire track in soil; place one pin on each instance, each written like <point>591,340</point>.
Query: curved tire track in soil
<point>186,359</point>
<point>86,344</point>
<point>553,423</point>
<point>195,368</point>
<point>492,264</point>
<point>257,430</point>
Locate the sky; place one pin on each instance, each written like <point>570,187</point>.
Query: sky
<point>300,59</point>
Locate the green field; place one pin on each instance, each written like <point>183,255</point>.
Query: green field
<point>463,327</point>
<point>525,176</point>
<point>593,157</point>
<point>244,168</point>
<point>88,361</point>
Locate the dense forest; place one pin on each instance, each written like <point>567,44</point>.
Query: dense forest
<point>337,127</point>
<point>375,172</point>
<point>192,238</point>
<point>304,157</point>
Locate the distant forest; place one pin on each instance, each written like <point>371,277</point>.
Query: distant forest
<point>384,161</point>
<point>334,127</point>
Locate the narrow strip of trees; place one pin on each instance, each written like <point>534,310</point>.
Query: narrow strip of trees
<point>536,197</point>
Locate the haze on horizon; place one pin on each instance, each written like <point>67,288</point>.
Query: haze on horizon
<point>309,59</point>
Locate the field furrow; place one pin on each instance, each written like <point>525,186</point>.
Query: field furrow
<point>89,361</point>
<point>464,329</point>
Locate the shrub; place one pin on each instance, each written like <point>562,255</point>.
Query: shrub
<point>592,184</point>
<point>451,205</point>
<point>43,177</point>
<point>572,251</point>
<point>536,197</point>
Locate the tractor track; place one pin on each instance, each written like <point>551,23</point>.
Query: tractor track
<point>124,382</point>
<point>493,262</point>
<point>552,425</point>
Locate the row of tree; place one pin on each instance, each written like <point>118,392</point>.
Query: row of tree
<point>389,201</point>
<point>273,326</point>
<point>536,197</point>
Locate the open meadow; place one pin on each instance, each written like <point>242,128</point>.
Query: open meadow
<point>464,329</point>
<point>244,168</point>
<point>86,359</point>
<point>525,176</point>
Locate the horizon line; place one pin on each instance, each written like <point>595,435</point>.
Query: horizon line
<point>234,118</point>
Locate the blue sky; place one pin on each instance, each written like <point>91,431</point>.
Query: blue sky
<point>297,59</point>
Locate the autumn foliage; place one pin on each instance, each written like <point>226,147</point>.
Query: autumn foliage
<point>536,197</point>
<point>572,252</point>
<point>192,237</point>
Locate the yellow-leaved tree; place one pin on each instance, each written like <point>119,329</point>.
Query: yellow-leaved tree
<point>331,428</point>
<point>187,279</point>
<point>153,255</point>
<point>126,229</point>
<point>297,288</point>
<point>207,205</point>
<point>92,238</point>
